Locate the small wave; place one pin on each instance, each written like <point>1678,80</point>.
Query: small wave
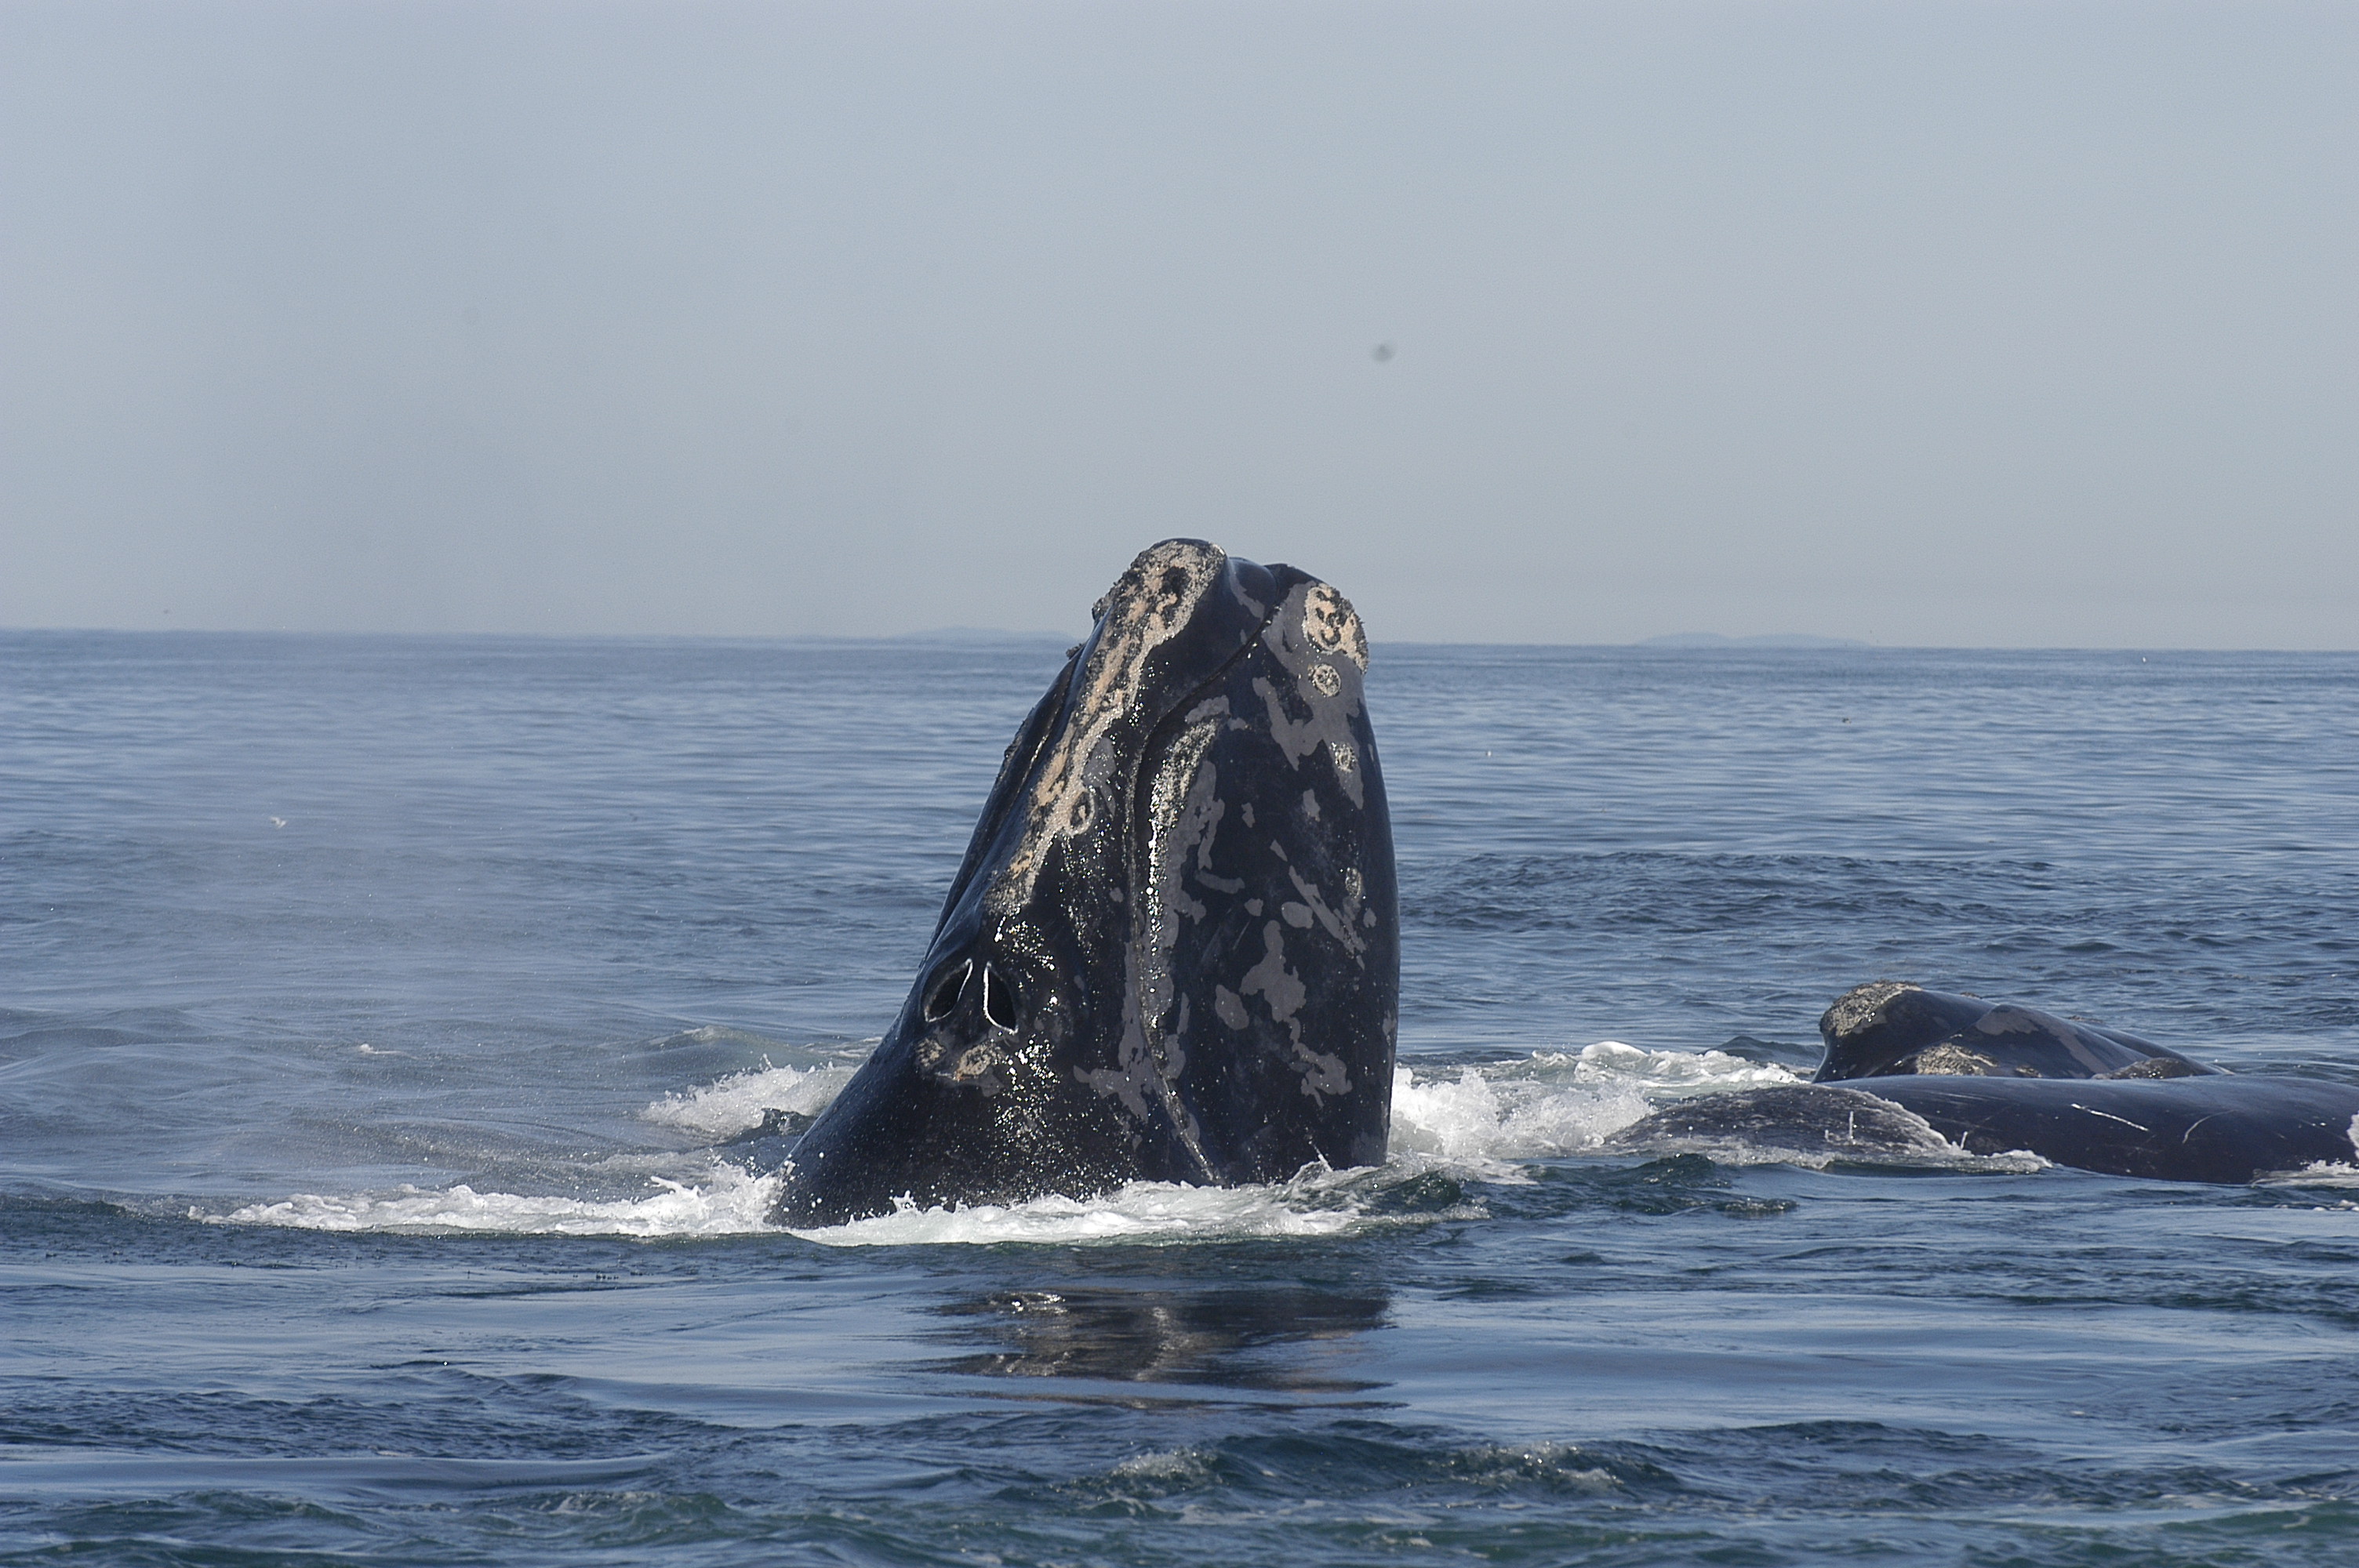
<point>724,1201</point>
<point>736,1103</point>
<point>1182,1466</point>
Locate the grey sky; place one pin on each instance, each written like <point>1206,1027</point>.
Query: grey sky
<point>1979,324</point>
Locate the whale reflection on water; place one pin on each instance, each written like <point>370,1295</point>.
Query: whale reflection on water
<point>1287,1339</point>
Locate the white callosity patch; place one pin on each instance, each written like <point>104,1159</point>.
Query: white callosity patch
<point>1154,601</point>
<point>1331,626</point>
<point>1863,1005</point>
<point>1313,630</point>
<point>738,1103</point>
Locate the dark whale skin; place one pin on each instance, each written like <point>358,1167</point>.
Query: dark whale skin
<point>1172,952</point>
<point>1998,1079</point>
<point>1889,1028</point>
<point>2215,1128</point>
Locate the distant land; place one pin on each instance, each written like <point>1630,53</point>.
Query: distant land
<point>1773,640</point>
<point>1673,639</point>
<point>971,634</point>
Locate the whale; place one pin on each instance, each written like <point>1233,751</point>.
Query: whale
<point>1898,1028</point>
<point>1171,951</point>
<point>1906,1066</point>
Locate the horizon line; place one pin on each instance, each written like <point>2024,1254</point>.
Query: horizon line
<point>1665,643</point>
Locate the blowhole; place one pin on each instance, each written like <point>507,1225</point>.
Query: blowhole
<point>946,991</point>
<point>998,1000</point>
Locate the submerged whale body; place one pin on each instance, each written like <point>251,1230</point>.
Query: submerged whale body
<point>1172,952</point>
<point>1998,1079</point>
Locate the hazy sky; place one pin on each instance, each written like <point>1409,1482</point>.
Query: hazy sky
<point>1977,324</point>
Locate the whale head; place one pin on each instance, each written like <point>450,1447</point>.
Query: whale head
<point>1172,952</point>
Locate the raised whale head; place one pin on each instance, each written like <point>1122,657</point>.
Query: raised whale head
<point>1172,952</point>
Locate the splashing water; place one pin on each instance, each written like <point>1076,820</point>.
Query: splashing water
<point>1552,1103</point>
<point>1317,1202</point>
<point>724,1201</point>
<point>1484,1126</point>
<point>737,1103</point>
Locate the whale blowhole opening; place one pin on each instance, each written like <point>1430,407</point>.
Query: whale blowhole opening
<point>998,1000</point>
<point>946,991</point>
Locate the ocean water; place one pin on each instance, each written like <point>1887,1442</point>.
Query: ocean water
<point>376,1014</point>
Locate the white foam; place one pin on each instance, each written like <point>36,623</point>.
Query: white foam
<point>2320,1173</point>
<point>735,1103</point>
<point>725,1201</point>
<point>1559,1461</point>
<point>1480,1121</point>
<point>1553,1103</point>
<point>1548,1104</point>
<point>1318,1202</point>
<point>1661,1073</point>
<point>1166,1465</point>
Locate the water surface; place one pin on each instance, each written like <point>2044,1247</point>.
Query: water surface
<point>374,1015</point>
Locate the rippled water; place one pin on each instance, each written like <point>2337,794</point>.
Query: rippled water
<point>376,1015</point>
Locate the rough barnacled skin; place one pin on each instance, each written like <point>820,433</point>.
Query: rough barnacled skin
<point>1172,952</point>
<point>1893,1029</point>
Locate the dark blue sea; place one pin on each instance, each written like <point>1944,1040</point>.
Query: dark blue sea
<point>375,1014</point>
